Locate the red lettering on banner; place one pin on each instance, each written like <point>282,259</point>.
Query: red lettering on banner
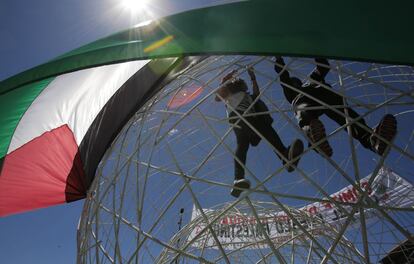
<point>312,210</point>
<point>327,205</point>
<point>348,196</point>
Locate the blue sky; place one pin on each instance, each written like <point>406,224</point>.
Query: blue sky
<point>31,33</point>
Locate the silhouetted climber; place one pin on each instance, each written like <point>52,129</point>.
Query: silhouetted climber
<point>236,98</point>
<point>301,97</point>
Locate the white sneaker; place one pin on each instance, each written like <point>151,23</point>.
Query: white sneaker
<point>240,185</point>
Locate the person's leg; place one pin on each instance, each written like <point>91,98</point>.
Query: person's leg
<point>360,131</point>
<point>290,153</point>
<point>286,81</point>
<point>308,121</point>
<point>387,129</point>
<point>240,182</point>
<point>268,132</point>
<point>241,153</point>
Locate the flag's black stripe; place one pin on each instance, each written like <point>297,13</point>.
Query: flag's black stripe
<point>1,163</point>
<point>132,95</point>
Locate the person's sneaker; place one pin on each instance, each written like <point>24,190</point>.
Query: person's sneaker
<point>293,151</point>
<point>387,129</point>
<point>240,184</point>
<point>317,133</point>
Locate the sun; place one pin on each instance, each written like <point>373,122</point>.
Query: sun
<point>135,5</point>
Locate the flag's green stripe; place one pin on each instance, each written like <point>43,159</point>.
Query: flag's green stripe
<point>353,29</point>
<point>12,107</point>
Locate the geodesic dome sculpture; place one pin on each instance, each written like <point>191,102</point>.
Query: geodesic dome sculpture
<point>167,158</point>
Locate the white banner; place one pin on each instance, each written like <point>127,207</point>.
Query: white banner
<point>240,230</point>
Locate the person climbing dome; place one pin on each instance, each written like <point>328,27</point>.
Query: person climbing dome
<point>320,96</point>
<point>234,93</point>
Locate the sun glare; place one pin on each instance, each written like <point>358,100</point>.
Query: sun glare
<point>135,5</point>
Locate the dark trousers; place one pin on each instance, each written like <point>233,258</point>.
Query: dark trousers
<point>332,99</point>
<point>245,137</point>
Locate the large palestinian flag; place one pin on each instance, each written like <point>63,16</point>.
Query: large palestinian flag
<point>57,119</point>
<point>56,130</point>
<point>52,120</point>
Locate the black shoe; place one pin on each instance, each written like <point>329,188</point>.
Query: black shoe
<point>317,133</point>
<point>387,129</point>
<point>293,151</point>
<point>240,184</point>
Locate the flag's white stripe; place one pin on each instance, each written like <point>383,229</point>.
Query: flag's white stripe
<point>74,99</point>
